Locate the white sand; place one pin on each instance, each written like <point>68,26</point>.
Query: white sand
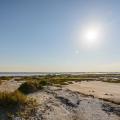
<point>99,89</point>
<point>10,85</point>
<point>56,103</point>
<point>64,104</point>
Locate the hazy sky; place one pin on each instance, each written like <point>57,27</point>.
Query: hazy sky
<point>46,35</point>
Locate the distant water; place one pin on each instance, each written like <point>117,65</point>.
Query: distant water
<point>50,73</point>
<point>33,73</point>
<point>22,73</point>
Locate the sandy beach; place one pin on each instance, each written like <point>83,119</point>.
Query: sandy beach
<point>73,101</point>
<point>99,89</point>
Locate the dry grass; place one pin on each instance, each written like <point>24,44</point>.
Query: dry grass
<point>25,112</point>
<point>16,104</point>
<point>10,100</point>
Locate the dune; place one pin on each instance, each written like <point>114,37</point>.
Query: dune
<point>103,90</point>
<point>66,102</point>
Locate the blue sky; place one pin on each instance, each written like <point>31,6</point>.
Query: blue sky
<point>45,35</point>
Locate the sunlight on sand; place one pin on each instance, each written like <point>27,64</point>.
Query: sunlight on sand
<point>104,90</point>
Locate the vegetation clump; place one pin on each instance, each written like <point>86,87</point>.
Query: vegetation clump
<point>43,82</point>
<point>11,100</point>
<point>29,87</point>
<point>0,81</point>
<point>16,104</point>
<point>112,81</point>
<point>32,86</point>
<point>6,77</point>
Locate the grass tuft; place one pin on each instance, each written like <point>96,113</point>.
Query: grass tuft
<point>11,100</point>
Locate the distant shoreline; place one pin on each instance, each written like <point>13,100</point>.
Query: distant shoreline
<point>51,73</point>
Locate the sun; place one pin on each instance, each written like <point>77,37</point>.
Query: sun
<point>91,36</point>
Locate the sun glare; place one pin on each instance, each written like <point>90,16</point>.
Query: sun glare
<point>91,36</point>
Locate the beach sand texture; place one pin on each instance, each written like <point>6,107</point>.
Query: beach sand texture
<point>99,89</point>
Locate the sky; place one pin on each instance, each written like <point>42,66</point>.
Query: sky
<point>49,35</point>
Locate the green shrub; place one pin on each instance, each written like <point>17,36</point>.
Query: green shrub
<point>6,77</point>
<point>10,100</point>
<point>0,81</point>
<point>30,86</point>
<point>43,82</point>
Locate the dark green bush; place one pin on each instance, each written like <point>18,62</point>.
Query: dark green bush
<point>43,82</point>
<point>30,86</point>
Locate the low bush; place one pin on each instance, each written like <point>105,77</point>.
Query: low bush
<point>6,77</point>
<point>30,86</point>
<point>44,82</point>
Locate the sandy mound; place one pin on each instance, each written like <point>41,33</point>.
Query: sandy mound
<point>64,104</point>
<point>55,103</point>
<point>104,90</point>
<point>10,85</point>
